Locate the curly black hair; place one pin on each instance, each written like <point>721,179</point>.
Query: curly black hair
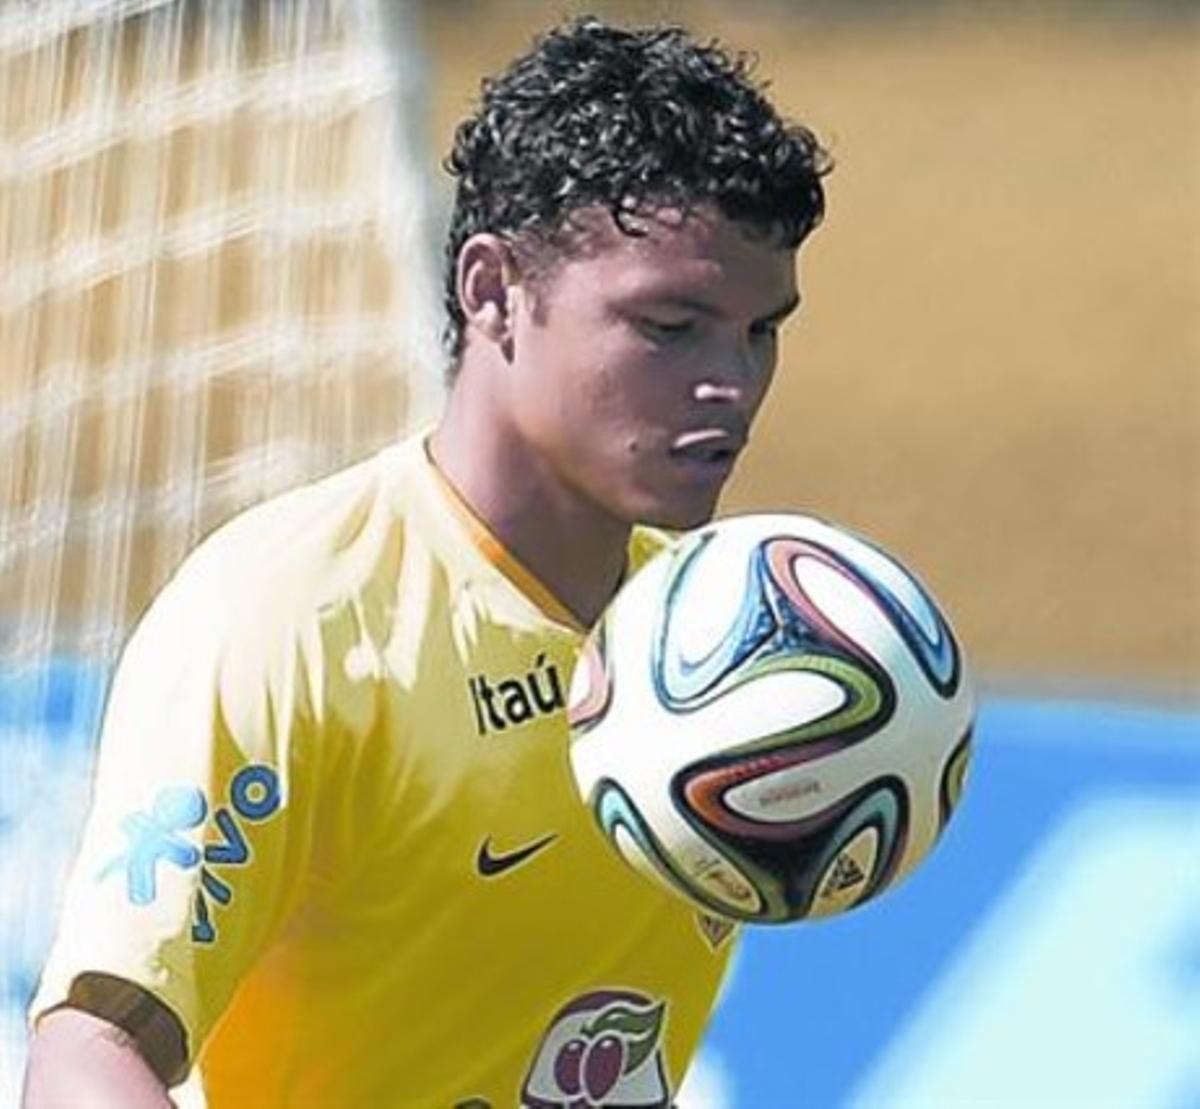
<point>596,115</point>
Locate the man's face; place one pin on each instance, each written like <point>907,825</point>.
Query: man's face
<point>639,364</point>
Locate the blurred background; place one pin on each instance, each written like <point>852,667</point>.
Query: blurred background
<point>220,231</point>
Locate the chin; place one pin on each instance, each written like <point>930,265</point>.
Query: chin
<point>679,517</point>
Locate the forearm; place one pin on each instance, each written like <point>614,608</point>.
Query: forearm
<point>78,1059</point>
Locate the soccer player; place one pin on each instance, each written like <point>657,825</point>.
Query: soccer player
<point>335,856</point>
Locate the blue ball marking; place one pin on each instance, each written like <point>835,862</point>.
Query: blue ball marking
<point>680,681</point>
<point>938,656</point>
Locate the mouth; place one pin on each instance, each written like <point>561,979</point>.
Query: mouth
<point>711,448</point>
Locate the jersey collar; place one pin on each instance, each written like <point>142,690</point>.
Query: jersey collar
<point>499,556</point>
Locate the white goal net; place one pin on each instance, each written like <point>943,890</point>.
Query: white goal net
<point>215,283</point>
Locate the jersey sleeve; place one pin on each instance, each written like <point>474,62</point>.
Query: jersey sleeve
<point>201,827</point>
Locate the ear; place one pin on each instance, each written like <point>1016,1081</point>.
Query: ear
<point>487,281</point>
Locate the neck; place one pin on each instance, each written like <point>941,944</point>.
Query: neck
<point>575,548</point>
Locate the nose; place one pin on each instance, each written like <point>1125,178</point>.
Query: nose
<point>738,376</point>
<point>716,391</point>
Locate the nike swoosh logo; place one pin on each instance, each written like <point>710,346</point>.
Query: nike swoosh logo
<point>489,864</point>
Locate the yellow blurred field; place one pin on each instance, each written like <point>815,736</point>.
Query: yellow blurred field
<point>997,370</point>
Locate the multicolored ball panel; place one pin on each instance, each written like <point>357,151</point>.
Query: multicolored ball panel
<point>954,778</point>
<point>591,684</point>
<point>706,875</point>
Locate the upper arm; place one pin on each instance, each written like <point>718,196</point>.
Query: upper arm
<point>202,813</point>
<point>79,1058</point>
<point>142,1018</point>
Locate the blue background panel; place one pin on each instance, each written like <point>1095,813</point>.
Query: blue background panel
<point>1046,954</point>
<point>813,1007</point>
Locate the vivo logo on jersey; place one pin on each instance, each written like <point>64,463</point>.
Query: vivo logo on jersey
<point>513,701</point>
<point>160,835</point>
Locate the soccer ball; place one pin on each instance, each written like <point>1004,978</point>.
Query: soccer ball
<point>772,718</point>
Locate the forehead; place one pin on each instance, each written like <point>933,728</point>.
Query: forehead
<point>675,253</point>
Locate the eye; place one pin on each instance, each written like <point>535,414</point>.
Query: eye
<point>764,331</point>
<point>664,330</point>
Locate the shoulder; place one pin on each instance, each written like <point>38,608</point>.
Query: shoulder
<point>252,633</point>
<point>256,586</point>
<point>305,545</point>
<point>320,516</point>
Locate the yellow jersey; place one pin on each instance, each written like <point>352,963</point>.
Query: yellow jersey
<point>334,828</point>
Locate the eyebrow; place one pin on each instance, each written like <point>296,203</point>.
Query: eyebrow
<point>705,309</point>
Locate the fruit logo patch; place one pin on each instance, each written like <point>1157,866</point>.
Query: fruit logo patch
<point>602,1049</point>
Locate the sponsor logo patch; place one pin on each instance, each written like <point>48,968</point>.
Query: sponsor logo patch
<point>491,863</point>
<point>602,1049</point>
<point>159,836</point>
<point>510,702</point>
